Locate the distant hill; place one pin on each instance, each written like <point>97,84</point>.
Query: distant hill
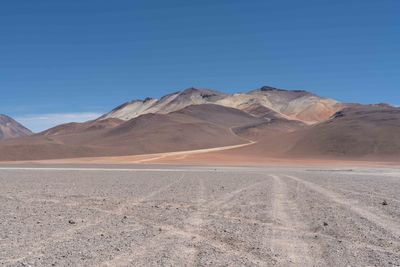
<point>361,131</point>
<point>194,127</point>
<point>9,128</point>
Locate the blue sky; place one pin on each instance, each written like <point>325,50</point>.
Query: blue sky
<point>72,60</point>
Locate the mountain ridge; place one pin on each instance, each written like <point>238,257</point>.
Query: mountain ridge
<point>292,104</point>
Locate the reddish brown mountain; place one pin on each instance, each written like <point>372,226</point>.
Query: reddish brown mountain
<point>194,127</point>
<point>371,131</point>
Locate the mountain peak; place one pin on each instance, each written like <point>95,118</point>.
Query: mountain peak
<point>9,128</point>
<point>193,90</point>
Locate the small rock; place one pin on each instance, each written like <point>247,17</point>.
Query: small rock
<point>71,222</point>
<point>325,224</point>
<point>384,203</point>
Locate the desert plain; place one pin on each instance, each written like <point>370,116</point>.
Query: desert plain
<point>166,215</point>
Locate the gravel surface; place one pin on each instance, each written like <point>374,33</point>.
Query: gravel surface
<point>171,216</point>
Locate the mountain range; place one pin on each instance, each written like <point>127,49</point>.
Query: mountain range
<point>273,122</point>
<point>293,105</point>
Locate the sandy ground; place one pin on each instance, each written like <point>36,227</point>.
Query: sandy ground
<point>199,216</point>
<point>221,156</point>
<point>134,159</point>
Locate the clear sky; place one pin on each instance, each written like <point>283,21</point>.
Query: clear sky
<point>74,59</point>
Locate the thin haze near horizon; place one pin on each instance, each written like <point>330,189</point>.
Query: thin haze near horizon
<point>67,61</point>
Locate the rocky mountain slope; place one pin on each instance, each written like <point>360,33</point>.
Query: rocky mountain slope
<point>360,131</point>
<point>294,105</point>
<point>9,128</point>
<point>193,127</point>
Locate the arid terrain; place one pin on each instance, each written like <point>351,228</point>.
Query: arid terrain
<point>108,215</point>
<point>85,194</point>
<point>278,124</point>
<point>199,133</point>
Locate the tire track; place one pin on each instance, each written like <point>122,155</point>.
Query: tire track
<point>168,230</point>
<point>189,234</point>
<point>196,222</point>
<point>370,194</point>
<point>305,233</point>
<point>380,220</point>
<point>226,199</point>
<point>289,247</point>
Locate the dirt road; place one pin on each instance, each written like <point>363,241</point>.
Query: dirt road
<point>172,216</point>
